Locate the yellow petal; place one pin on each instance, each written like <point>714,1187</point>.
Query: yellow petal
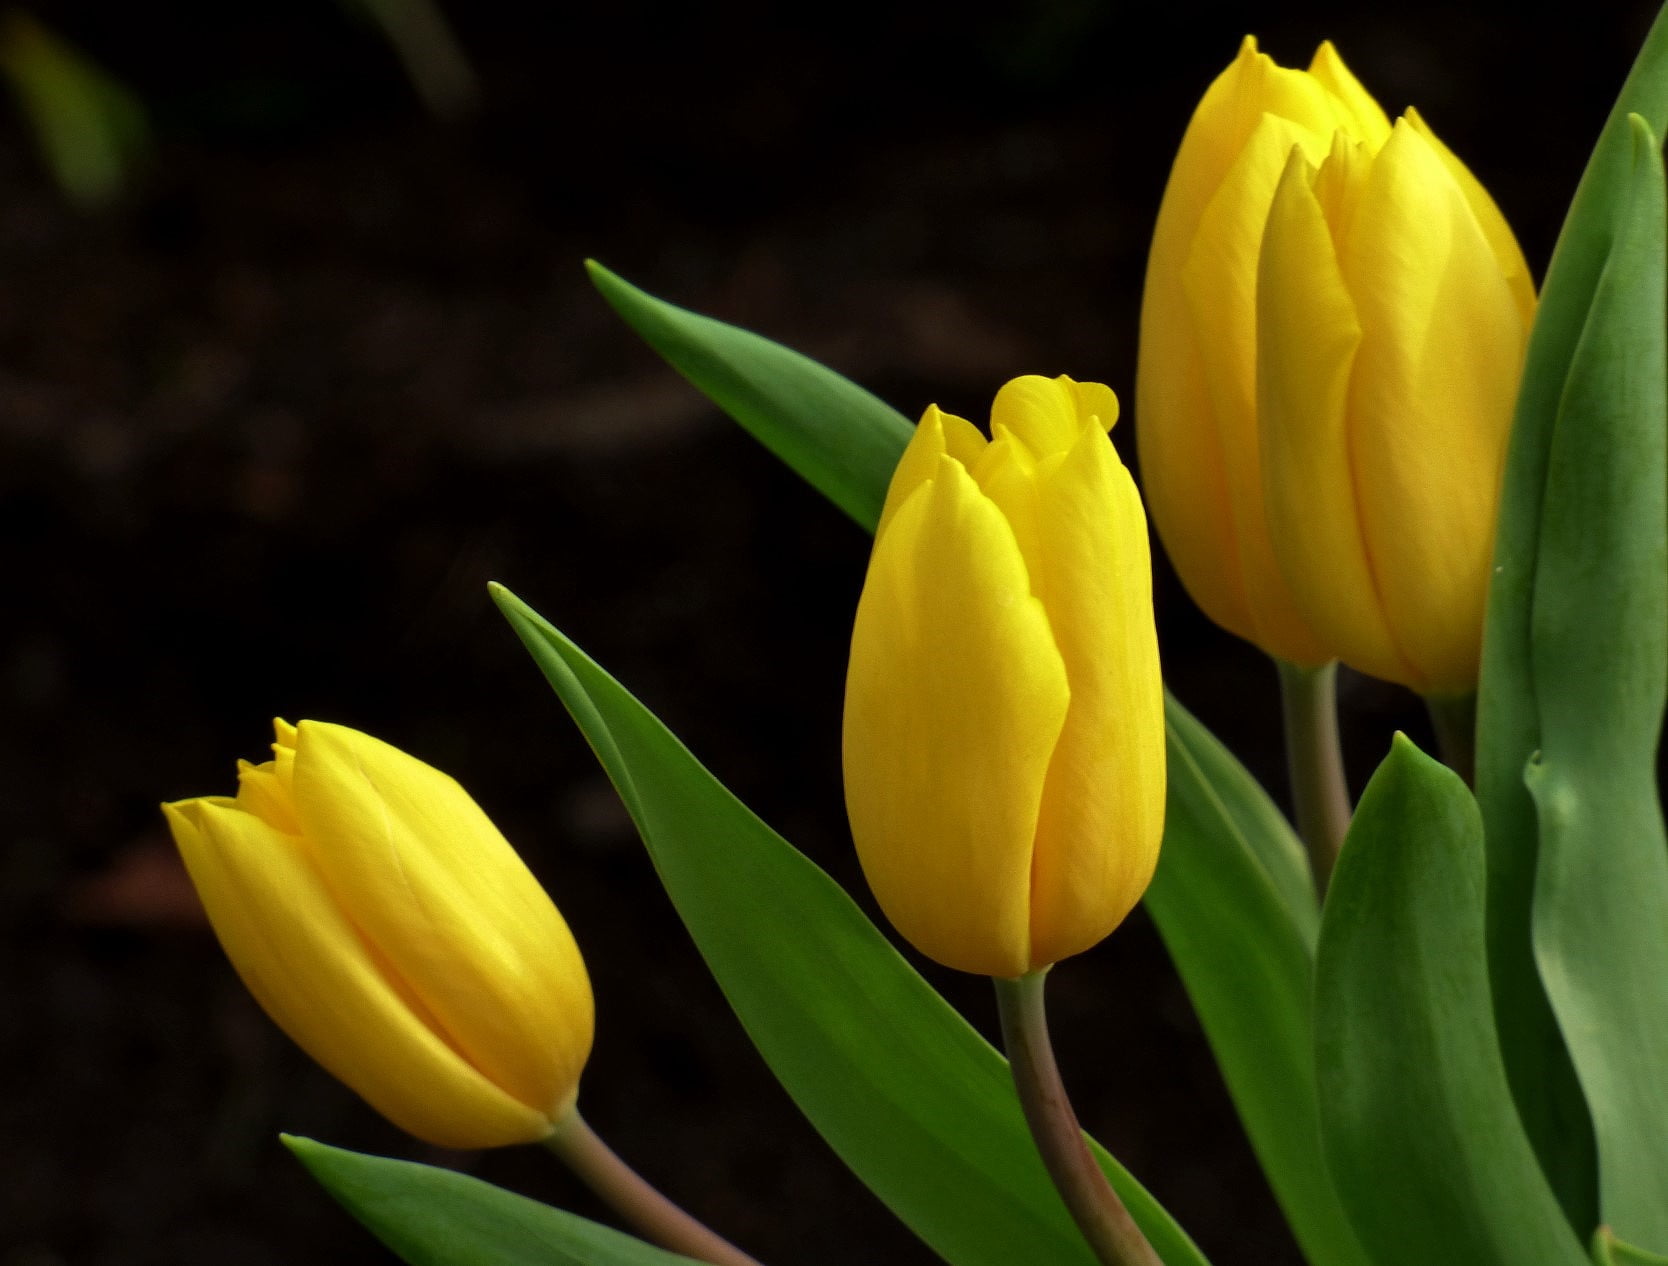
<point>262,792</point>
<point>954,700</point>
<point>1507,253</point>
<point>1363,118</point>
<point>1047,413</point>
<point>1102,812</point>
<point>1220,285</point>
<point>1307,345</point>
<point>938,433</point>
<point>1431,400</point>
<point>433,885</point>
<point>314,975</point>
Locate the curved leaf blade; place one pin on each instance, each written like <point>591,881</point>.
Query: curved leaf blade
<point>840,438</point>
<point>910,1097</point>
<point>434,1217</point>
<point>1509,721</point>
<point>1601,885</point>
<point>1420,1129</point>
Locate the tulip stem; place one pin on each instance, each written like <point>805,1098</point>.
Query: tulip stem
<point>1455,719</point>
<point>1099,1214</point>
<point>630,1195</point>
<point>1315,763</point>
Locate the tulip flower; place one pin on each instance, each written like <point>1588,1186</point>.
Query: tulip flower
<point>1393,311</point>
<point>1004,727</point>
<point>1323,423</point>
<point>384,923</point>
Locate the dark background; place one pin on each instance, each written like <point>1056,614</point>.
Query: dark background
<point>270,423</point>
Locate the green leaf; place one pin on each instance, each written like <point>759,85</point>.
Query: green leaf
<point>1236,908</point>
<point>1599,664</point>
<point>917,1104</point>
<point>90,128</point>
<point>1420,1129</point>
<point>841,439</point>
<point>1609,1251</point>
<point>1510,721</point>
<point>434,1217</point>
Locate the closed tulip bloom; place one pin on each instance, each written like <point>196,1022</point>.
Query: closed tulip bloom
<point>1196,387</point>
<point>1004,717</point>
<point>384,923</point>
<point>1393,311</point>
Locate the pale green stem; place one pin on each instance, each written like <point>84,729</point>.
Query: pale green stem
<point>1455,720</point>
<point>1315,763</point>
<point>629,1195</point>
<point>1099,1214</point>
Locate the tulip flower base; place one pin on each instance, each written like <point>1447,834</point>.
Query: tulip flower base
<point>1361,430</point>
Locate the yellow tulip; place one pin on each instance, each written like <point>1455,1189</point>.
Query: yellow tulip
<point>1004,718</point>
<point>1323,412</point>
<point>384,923</point>
<point>1393,311</point>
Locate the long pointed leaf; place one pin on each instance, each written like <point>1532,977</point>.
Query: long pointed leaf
<point>1509,727</point>
<point>840,438</point>
<point>1421,1131</point>
<point>1601,884</point>
<point>434,1217</point>
<point>919,1106</point>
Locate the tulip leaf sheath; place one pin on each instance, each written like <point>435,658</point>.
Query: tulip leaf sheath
<point>1004,723</point>
<point>1417,1118</point>
<point>381,919</point>
<point>1510,722</point>
<point>1599,657</point>
<point>912,1099</point>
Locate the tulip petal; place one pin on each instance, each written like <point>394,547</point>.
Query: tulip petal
<point>1366,120</point>
<point>1047,413</point>
<point>434,886</point>
<point>1102,812</point>
<point>1220,283</point>
<point>313,973</point>
<point>1308,338</point>
<point>939,433</point>
<point>1507,253</point>
<point>954,701</point>
<point>1431,400</point>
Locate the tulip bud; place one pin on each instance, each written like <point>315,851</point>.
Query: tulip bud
<point>384,923</point>
<point>1323,417</point>
<point>1004,718</point>
<point>1393,311</point>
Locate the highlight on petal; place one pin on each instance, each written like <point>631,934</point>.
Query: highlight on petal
<point>954,701</point>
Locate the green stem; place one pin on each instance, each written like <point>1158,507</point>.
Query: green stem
<point>626,1191</point>
<point>1099,1214</point>
<point>1455,720</point>
<point>1315,762</point>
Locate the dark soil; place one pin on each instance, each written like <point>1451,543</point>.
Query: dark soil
<point>269,426</point>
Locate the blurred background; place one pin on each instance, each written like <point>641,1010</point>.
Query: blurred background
<point>297,353</point>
